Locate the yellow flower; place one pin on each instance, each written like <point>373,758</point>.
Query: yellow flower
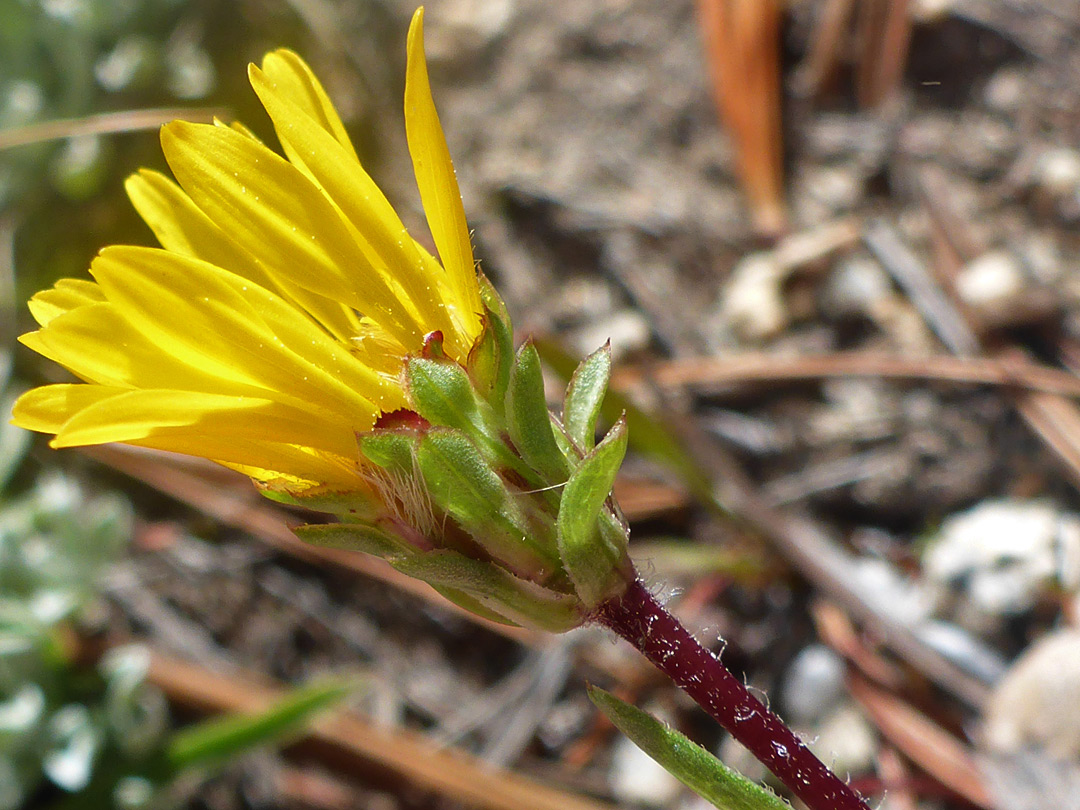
<point>271,326</point>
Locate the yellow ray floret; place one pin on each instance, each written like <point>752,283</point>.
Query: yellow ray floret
<point>271,326</point>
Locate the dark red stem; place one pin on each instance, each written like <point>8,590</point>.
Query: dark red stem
<point>643,621</point>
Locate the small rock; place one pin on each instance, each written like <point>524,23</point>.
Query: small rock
<point>837,188</point>
<point>1057,171</point>
<point>932,11</point>
<point>1002,553</point>
<point>857,286</point>
<point>964,649</point>
<point>990,281</point>
<point>813,685</point>
<point>465,26</point>
<point>583,298</point>
<point>627,330</point>
<point>752,304</point>
<point>845,741</point>
<point>1038,702</point>
<point>985,145</point>
<point>901,598</point>
<point>1006,91</point>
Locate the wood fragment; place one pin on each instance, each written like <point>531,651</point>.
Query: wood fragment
<point>742,44</point>
<point>354,745</point>
<point>762,369</point>
<point>649,500</point>
<point>826,48</point>
<point>936,308</point>
<point>317,791</point>
<point>1054,419</point>
<point>104,124</point>
<point>897,778</point>
<point>928,745</point>
<point>884,36</point>
<point>837,631</point>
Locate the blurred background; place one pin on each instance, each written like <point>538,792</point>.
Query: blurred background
<point>834,245</point>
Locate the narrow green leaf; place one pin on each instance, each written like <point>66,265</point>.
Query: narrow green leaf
<point>471,604</point>
<point>529,420</point>
<point>444,395</point>
<point>214,741</point>
<point>489,364</point>
<point>355,537</point>
<point>484,361</point>
<point>588,554</point>
<point>686,760</point>
<point>493,301</point>
<point>496,589</point>
<point>463,485</point>
<point>585,397</point>
<point>649,435</point>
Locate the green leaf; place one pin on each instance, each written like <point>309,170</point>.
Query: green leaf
<point>686,760</point>
<point>489,362</point>
<point>529,420</point>
<point>585,397</point>
<point>496,589</point>
<point>463,485</point>
<point>594,562</point>
<point>355,537</point>
<point>444,395</point>
<point>472,604</point>
<point>650,436</point>
<point>217,740</point>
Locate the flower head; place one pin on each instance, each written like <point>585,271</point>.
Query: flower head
<point>290,328</point>
<point>272,324</point>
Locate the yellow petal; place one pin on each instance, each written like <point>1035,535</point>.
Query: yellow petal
<point>296,80</point>
<point>355,194</point>
<point>181,227</point>
<point>45,409</point>
<point>137,415</point>
<point>67,294</point>
<point>226,429</point>
<point>239,330</point>
<point>275,213</point>
<point>96,343</point>
<point>437,181</point>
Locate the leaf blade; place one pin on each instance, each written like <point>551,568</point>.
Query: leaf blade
<point>585,397</point>
<point>594,562</point>
<point>213,741</point>
<point>686,760</point>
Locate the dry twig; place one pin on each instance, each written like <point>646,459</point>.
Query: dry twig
<point>355,745</point>
<point>742,42</point>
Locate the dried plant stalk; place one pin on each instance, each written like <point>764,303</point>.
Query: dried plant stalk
<point>884,34</point>
<point>826,48</point>
<point>742,42</point>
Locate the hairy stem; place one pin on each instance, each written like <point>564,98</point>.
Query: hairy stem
<point>640,619</point>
